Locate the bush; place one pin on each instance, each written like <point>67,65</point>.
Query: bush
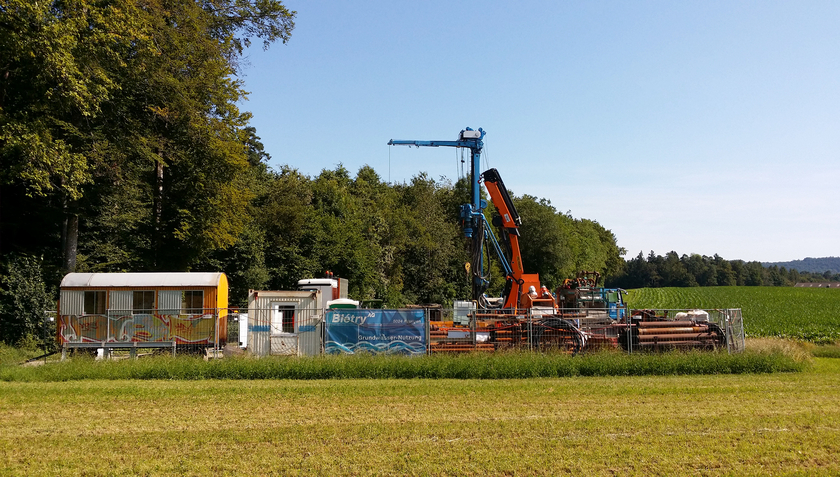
<point>24,301</point>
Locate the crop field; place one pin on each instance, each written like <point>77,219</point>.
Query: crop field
<point>771,424</point>
<point>811,314</point>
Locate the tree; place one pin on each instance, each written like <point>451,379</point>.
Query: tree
<point>284,211</point>
<point>100,97</point>
<point>543,247</point>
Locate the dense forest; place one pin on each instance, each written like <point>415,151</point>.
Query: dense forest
<point>694,270</point>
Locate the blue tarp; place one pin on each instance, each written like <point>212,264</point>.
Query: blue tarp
<point>376,331</point>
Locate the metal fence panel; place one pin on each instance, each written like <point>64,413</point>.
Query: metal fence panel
<point>310,330</point>
<point>268,334</point>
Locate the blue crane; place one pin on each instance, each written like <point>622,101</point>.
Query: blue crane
<point>472,214</point>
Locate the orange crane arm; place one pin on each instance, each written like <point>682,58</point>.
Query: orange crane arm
<point>510,221</point>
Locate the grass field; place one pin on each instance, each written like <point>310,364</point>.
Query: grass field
<point>811,314</point>
<point>609,414</point>
<point>770,424</point>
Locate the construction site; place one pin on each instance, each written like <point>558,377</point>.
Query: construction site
<point>189,311</point>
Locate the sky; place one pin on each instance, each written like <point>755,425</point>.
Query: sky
<point>695,126</point>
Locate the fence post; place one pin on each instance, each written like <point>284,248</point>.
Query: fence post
<point>427,326</point>
<point>216,334</point>
<point>530,331</point>
<point>473,328</point>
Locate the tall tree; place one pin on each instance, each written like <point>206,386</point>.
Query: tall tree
<point>100,96</point>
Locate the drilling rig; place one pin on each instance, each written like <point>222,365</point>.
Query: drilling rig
<point>578,313</point>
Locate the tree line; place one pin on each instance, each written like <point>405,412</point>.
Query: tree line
<point>694,270</point>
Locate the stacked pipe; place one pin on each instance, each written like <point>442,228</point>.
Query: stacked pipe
<point>672,334</point>
<point>463,347</point>
<point>507,335</point>
<point>440,342</point>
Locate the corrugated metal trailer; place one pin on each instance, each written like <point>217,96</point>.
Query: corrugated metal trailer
<point>285,323</point>
<point>159,309</point>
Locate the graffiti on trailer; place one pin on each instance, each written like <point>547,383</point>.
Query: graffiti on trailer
<point>137,328</point>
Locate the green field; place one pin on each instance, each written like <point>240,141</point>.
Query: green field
<point>770,424</point>
<point>811,314</point>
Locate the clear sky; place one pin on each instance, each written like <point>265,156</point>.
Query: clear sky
<point>700,127</point>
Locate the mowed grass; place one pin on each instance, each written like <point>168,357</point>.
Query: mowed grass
<point>768,424</point>
<point>811,314</point>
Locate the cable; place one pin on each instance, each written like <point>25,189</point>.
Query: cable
<point>549,331</point>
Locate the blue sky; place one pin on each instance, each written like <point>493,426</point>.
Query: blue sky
<point>699,127</point>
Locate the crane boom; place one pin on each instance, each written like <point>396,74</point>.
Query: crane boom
<point>476,226</point>
<point>471,214</point>
<point>509,221</point>
<point>473,140</point>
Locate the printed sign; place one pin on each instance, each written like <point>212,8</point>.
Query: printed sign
<point>376,331</point>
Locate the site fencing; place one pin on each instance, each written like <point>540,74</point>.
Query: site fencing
<point>683,328</point>
<point>290,331</point>
<point>284,330</point>
<point>194,330</point>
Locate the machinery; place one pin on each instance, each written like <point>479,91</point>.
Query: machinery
<point>477,228</point>
<point>499,322</point>
<point>579,315</point>
<point>472,214</point>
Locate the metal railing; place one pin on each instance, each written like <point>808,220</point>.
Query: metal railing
<point>304,331</point>
<point>285,331</point>
<point>195,329</point>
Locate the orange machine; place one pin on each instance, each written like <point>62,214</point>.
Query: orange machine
<point>519,283</point>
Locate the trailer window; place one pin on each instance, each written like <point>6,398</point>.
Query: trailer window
<point>94,302</point>
<point>282,318</point>
<point>193,302</point>
<point>143,301</point>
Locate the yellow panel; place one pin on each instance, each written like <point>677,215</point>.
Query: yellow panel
<point>222,295</point>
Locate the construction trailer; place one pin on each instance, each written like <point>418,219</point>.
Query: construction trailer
<point>291,322</point>
<point>285,322</point>
<point>143,310</point>
<point>331,287</point>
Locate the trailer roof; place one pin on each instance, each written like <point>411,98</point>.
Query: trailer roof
<point>318,281</point>
<point>146,279</point>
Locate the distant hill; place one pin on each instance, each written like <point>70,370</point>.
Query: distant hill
<point>813,265</point>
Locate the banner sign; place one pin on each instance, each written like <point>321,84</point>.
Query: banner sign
<point>375,331</point>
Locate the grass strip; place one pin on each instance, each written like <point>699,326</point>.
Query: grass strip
<point>471,366</point>
<point>826,351</point>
